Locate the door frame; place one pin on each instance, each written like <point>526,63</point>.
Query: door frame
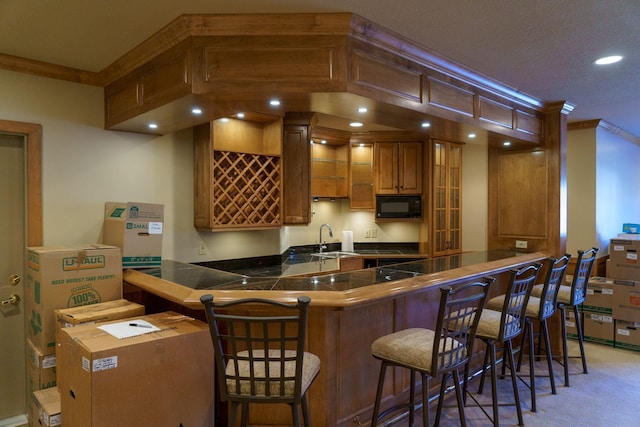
<point>32,145</point>
<point>33,149</point>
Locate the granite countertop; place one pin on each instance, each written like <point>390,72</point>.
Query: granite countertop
<point>299,261</point>
<point>198,277</point>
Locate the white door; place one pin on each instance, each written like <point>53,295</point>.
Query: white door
<point>12,245</point>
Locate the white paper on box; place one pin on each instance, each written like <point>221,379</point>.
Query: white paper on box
<point>49,361</point>
<point>52,420</point>
<point>105,363</point>
<point>623,331</point>
<point>155,228</point>
<point>128,329</point>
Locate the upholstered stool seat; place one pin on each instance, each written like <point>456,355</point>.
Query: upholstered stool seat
<point>310,368</point>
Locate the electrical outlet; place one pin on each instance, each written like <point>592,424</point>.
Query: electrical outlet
<point>202,249</point>
<point>367,233</point>
<point>521,244</point>
<point>374,233</point>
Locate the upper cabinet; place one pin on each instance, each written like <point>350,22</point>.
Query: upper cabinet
<point>329,170</point>
<point>296,140</point>
<point>237,174</point>
<point>329,163</point>
<point>361,193</point>
<point>398,167</point>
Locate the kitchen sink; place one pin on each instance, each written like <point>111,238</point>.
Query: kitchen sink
<point>333,254</point>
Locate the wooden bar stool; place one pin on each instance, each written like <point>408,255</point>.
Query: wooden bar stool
<point>498,328</point>
<point>571,297</point>
<point>432,353</point>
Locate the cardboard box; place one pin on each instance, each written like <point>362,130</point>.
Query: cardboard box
<point>41,369</point>
<point>163,377</point>
<point>599,295</point>
<point>570,323</point>
<point>628,335</point>
<point>598,327</point>
<point>623,260</point>
<point>626,300</point>
<point>45,408</point>
<point>97,313</point>
<point>137,229</point>
<point>629,236</point>
<point>61,277</point>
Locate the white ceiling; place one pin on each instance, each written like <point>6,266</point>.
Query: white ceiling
<point>544,48</point>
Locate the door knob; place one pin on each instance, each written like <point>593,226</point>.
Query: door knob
<point>12,300</point>
<point>14,279</point>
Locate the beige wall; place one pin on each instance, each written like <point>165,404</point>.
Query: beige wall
<point>475,193</point>
<point>603,184</point>
<point>85,165</point>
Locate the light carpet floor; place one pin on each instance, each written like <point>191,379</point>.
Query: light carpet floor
<point>609,395</point>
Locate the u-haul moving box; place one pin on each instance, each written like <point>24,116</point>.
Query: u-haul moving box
<point>115,374</point>
<point>137,229</point>
<point>70,276</point>
<point>41,369</point>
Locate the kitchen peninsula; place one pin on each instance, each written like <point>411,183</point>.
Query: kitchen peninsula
<point>348,312</point>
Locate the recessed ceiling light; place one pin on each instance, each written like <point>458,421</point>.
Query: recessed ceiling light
<point>324,141</point>
<point>152,126</point>
<point>361,144</point>
<point>362,110</point>
<point>196,111</point>
<point>472,135</point>
<point>506,143</point>
<point>274,102</point>
<point>425,124</point>
<point>355,124</point>
<point>240,115</point>
<point>606,60</point>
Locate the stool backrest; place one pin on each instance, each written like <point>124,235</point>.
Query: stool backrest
<point>458,317</point>
<point>552,282</point>
<point>581,276</point>
<point>259,347</point>
<point>515,302</point>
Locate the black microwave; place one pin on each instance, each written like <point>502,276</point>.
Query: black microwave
<point>398,206</point>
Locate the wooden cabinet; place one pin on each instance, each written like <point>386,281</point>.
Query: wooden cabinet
<point>329,163</point>
<point>237,174</point>
<point>296,167</point>
<point>398,167</point>
<point>329,170</point>
<point>361,192</point>
<point>447,192</point>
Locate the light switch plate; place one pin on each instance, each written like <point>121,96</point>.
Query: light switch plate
<point>521,244</point>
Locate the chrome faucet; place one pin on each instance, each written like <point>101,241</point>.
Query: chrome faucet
<point>322,246</point>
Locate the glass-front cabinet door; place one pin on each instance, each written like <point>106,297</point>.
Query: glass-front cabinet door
<point>447,177</point>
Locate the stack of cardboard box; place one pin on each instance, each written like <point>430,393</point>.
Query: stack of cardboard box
<point>597,311</point>
<point>624,266</point>
<point>57,278</point>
